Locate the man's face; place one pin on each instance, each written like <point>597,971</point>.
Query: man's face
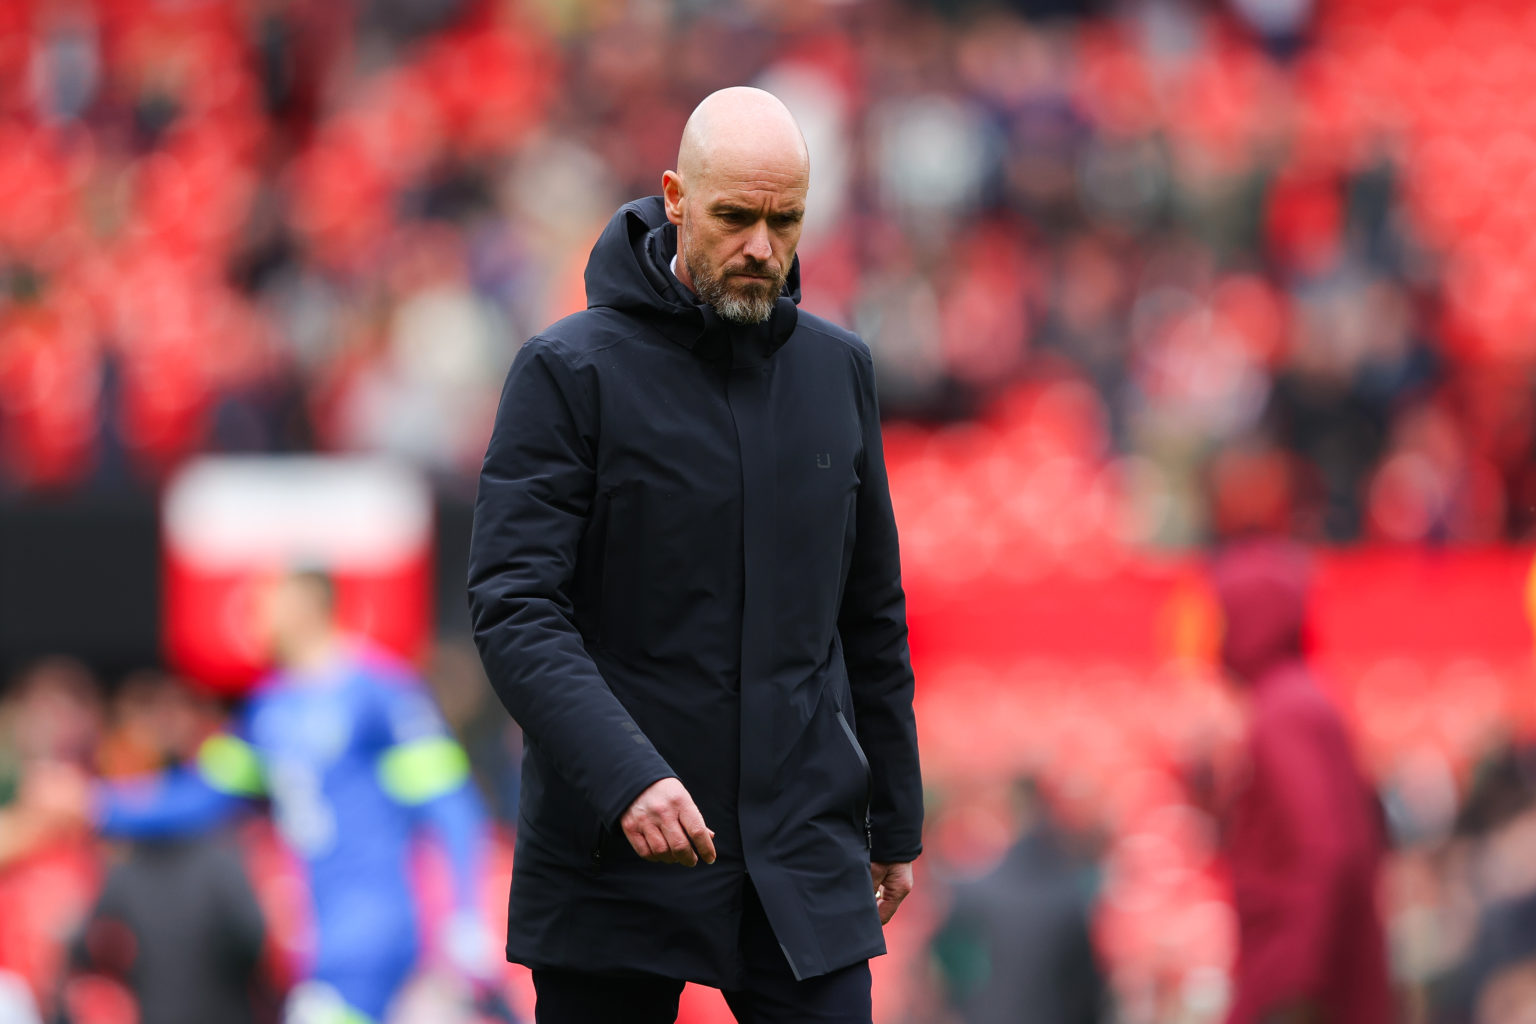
<point>293,608</point>
<point>737,233</point>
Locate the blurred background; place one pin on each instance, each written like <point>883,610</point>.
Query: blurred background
<point>1140,276</point>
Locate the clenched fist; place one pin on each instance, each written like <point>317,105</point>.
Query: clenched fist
<point>665,826</point>
<point>892,884</point>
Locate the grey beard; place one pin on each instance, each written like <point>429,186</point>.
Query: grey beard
<point>739,310</point>
<point>734,308</point>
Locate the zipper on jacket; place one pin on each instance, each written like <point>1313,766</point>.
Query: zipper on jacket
<point>869,778</point>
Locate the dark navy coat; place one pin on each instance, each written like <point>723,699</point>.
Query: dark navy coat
<point>684,563</point>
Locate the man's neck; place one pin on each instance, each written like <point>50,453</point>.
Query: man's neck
<point>686,284</point>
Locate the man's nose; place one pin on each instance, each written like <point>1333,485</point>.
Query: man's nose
<point>758,246</point>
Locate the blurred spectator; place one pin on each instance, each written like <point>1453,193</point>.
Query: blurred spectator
<point>1487,940</point>
<point>1304,837</point>
<point>50,723</point>
<point>177,920</point>
<point>157,722</point>
<point>1503,964</point>
<point>52,713</point>
<point>1016,944</point>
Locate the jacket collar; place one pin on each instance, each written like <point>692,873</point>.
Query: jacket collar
<point>629,271</point>
<point>700,329</point>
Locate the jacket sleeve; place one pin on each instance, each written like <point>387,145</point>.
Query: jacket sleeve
<point>180,801</point>
<point>536,488</point>
<point>873,625</point>
<point>424,769</point>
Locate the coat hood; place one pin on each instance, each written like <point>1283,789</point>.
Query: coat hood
<point>1262,587</point>
<point>629,270</point>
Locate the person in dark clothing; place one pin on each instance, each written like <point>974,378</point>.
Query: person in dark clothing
<point>1499,977</point>
<point>685,587</point>
<point>1495,983</point>
<point>1303,837</point>
<point>1016,945</point>
<point>178,921</point>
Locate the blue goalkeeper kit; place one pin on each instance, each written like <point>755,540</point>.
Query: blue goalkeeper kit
<point>353,756</point>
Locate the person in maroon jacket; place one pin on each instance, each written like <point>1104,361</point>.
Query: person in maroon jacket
<point>1303,838</point>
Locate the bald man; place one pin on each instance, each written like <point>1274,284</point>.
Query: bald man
<point>685,587</point>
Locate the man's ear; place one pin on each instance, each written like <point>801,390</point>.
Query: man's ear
<point>672,196</point>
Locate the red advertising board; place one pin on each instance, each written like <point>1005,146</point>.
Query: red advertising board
<point>233,524</point>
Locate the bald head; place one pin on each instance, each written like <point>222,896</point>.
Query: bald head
<point>744,127</point>
<point>738,200</point>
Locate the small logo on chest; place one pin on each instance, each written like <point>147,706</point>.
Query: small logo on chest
<point>823,460</point>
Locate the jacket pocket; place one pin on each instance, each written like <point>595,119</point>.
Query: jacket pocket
<point>869,780</point>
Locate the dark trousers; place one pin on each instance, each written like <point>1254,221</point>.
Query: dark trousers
<point>769,993</point>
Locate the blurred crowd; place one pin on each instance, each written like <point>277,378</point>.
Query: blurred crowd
<point>274,225</point>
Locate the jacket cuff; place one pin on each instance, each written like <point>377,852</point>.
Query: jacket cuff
<point>887,853</point>
<point>625,796</point>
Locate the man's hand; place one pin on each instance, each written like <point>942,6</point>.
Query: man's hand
<point>57,794</point>
<point>54,801</point>
<point>892,883</point>
<point>665,826</point>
